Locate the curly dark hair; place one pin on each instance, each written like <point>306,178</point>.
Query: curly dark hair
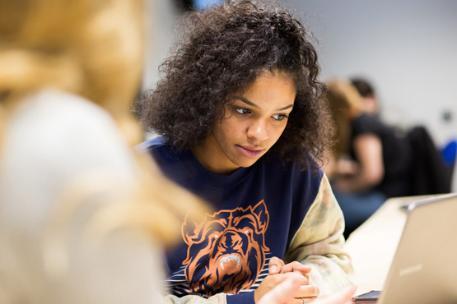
<point>226,48</point>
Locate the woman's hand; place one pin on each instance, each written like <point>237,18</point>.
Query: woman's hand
<point>296,276</point>
<point>277,265</point>
<point>287,290</point>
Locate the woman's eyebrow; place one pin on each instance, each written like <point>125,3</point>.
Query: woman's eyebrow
<point>246,101</point>
<point>249,102</point>
<point>286,107</point>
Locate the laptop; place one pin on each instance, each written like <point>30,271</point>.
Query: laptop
<point>424,267</point>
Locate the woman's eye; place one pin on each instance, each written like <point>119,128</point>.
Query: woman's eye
<point>242,111</point>
<point>280,117</point>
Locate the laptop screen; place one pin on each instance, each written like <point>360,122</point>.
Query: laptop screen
<point>424,268</point>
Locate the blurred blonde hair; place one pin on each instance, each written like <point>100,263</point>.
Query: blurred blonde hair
<point>93,48</point>
<point>345,103</point>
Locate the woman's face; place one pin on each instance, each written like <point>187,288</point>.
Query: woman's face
<point>252,123</point>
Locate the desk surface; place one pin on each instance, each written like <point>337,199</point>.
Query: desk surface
<point>372,245</point>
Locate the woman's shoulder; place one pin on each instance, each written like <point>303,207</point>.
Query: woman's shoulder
<point>366,123</point>
<point>158,147</point>
<point>65,131</point>
<point>154,142</point>
<point>308,167</point>
<point>51,104</point>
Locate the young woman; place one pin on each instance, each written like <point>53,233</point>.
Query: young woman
<point>242,126</point>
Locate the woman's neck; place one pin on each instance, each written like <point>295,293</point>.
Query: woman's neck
<point>211,156</point>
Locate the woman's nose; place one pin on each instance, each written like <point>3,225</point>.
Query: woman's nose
<point>257,131</point>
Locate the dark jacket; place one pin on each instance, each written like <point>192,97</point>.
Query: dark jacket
<point>429,174</point>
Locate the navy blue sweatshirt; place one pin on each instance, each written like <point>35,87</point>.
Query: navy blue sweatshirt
<point>257,211</point>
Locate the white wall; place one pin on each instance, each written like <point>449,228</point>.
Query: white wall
<point>407,48</point>
<point>161,20</point>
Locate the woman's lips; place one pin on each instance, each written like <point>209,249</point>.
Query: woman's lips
<point>249,152</point>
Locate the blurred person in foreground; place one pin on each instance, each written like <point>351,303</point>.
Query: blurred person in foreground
<point>242,126</point>
<point>370,161</point>
<point>83,216</point>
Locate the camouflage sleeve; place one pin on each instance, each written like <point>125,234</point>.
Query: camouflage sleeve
<point>319,243</point>
<point>216,299</point>
<point>221,298</point>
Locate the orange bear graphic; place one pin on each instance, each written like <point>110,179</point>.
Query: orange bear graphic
<point>227,251</point>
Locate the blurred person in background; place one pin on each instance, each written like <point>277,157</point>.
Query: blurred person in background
<point>429,173</point>
<point>83,216</point>
<point>242,126</point>
<point>370,103</point>
<point>370,161</point>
